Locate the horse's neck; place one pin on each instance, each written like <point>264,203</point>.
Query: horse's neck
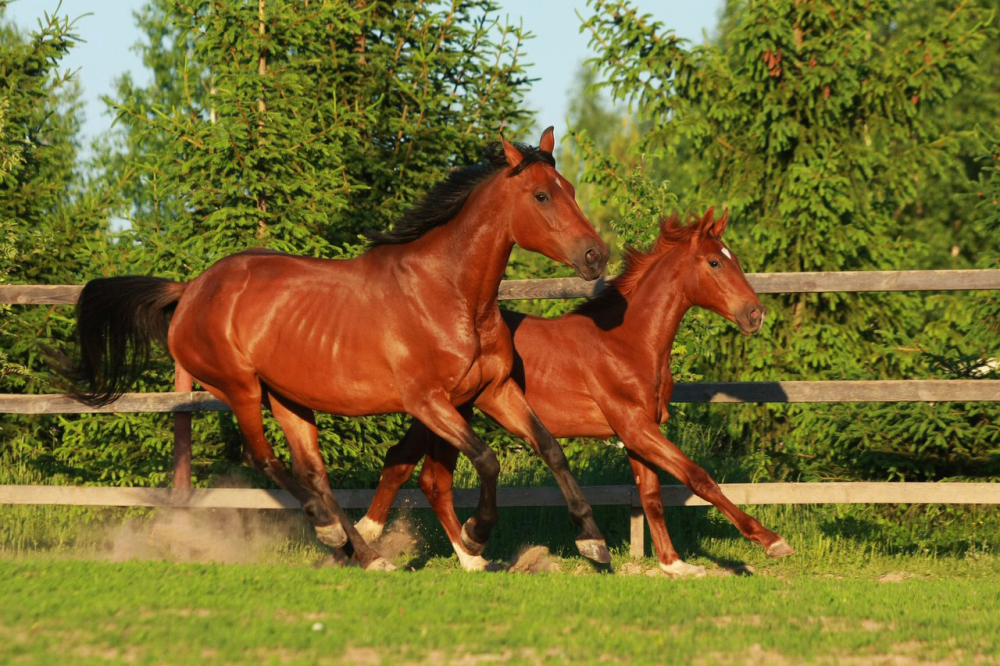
<point>471,250</point>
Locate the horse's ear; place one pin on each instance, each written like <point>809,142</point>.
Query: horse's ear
<point>720,225</point>
<point>548,141</point>
<point>514,155</point>
<point>706,222</point>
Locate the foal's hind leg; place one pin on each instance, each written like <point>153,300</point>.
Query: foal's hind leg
<point>436,477</point>
<point>400,461</point>
<point>652,504</point>
<point>299,425</point>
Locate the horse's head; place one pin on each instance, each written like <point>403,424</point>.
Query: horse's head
<point>545,216</point>
<point>715,280</point>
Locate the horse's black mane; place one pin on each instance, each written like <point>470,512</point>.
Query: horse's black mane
<point>446,199</point>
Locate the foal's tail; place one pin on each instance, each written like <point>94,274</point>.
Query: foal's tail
<point>118,319</point>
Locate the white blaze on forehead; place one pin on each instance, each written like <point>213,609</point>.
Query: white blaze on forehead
<point>559,182</point>
<point>725,251</point>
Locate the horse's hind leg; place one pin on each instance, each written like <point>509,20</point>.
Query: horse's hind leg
<point>299,425</point>
<point>652,504</point>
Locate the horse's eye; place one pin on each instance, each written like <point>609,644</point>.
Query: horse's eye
<point>713,263</point>
<point>541,197</point>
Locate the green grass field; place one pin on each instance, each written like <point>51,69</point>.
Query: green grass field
<point>848,597</point>
<point>162,612</point>
<point>869,585</point>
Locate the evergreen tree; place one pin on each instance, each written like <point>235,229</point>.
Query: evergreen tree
<point>818,125</point>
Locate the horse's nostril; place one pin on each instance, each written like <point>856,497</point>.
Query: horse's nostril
<point>754,315</point>
<point>592,257</point>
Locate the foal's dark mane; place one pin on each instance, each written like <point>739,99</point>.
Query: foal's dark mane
<point>637,264</point>
<point>446,199</point>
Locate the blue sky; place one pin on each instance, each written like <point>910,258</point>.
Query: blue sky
<point>110,32</point>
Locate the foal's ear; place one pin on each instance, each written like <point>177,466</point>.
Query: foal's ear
<point>514,155</point>
<point>548,141</point>
<point>706,221</point>
<point>720,225</point>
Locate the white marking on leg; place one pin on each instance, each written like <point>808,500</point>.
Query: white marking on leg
<point>369,529</point>
<point>681,569</point>
<point>470,562</point>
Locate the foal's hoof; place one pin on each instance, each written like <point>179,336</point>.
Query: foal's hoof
<point>472,562</point>
<point>380,564</point>
<point>332,535</point>
<point>779,549</point>
<point>681,569</point>
<point>594,549</point>
<point>471,546</point>
<point>369,530</point>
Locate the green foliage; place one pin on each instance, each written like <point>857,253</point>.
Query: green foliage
<point>826,129</point>
<point>288,125</point>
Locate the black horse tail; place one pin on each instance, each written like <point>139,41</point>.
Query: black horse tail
<point>118,319</point>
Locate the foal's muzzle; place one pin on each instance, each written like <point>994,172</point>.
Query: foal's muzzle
<point>751,318</point>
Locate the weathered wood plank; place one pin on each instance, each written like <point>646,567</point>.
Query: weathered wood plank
<point>739,493</point>
<point>61,403</point>
<point>907,390</point>
<point>764,283</point>
<point>904,390</point>
<point>785,283</point>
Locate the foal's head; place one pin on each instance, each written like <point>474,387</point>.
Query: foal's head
<point>714,279</point>
<point>545,216</point>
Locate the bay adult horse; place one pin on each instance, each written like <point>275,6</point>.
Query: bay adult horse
<point>412,325</point>
<point>604,371</point>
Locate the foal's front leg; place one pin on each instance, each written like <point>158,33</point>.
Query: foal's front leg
<point>507,404</point>
<point>642,436</point>
<point>651,498</point>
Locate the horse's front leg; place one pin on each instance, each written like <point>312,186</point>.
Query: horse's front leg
<point>651,498</point>
<point>438,414</point>
<point>641,436</point>
<point>507,404</point>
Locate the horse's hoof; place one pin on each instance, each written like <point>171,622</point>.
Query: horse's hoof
<point>681,569</point>
<point>594,549</point>
<point>380,564</point>
<point>332,535</point>
<point>369,530</point>
<point>779,549</point>
<point>471,546</point>
<point>471,562</point>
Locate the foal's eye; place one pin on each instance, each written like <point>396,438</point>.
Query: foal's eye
<point>541,197</point>
<point>713,263</point>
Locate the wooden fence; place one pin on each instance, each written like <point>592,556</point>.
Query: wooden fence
<point>183,401</point>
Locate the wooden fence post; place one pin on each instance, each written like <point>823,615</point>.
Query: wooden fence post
<point>182,431</point>
<point>637,528</point>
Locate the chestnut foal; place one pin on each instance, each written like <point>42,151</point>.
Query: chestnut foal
<point>604,371</point>
<point>412,325</point>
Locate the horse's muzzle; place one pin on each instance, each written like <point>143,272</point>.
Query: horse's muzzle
<point>595,259</point>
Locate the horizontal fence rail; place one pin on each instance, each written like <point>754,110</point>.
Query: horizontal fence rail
<point>763,283</point>
<point>898,492</point>
<point>906,390</point>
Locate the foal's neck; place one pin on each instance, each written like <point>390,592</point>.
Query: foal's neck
<point>658,304</point>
